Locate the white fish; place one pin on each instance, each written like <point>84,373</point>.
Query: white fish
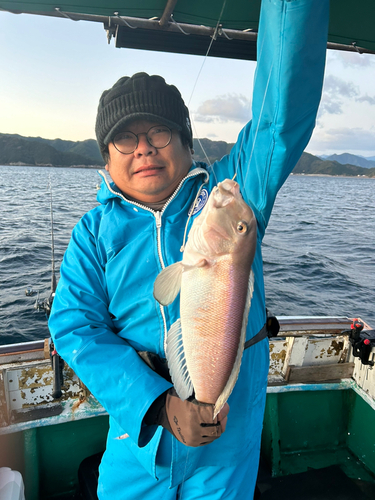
<point>205,346</point>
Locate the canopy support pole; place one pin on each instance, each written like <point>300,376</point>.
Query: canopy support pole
<point>168,11</point>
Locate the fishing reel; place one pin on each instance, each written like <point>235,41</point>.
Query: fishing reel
<point>44,304</point>
<point>362,341</point>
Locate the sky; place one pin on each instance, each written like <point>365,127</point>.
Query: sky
<point>53,72</point>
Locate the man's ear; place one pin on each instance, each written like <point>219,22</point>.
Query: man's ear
<point>192,151</point>
<point>107,167</point>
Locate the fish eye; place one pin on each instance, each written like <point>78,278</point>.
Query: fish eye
<point>242,227</point>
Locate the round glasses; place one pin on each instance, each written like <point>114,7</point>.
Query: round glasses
<point>158,137</point>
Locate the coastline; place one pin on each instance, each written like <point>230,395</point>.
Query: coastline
<point>99,167</point>
<point>329,175</point>
<point>52,166</point>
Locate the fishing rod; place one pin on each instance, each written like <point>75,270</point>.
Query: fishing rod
<point>46,306</point>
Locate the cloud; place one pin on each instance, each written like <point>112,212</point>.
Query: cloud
<point>334,85</point>
<point>353,59</point>
<point>343,139</point>
<point>224,108</point>
<point>367,98</point>
<point>335,91</point>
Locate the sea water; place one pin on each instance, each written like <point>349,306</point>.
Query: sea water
<point>318,252</point>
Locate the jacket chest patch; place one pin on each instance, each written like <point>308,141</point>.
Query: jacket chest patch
<point>200,203</point>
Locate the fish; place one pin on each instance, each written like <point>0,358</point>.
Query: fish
<point>204,346</point>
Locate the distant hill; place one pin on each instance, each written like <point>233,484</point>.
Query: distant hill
<point>349,159</point>
<point>215,150</point>
<point>88,148</point>
<point>18,150</point>
<point>310,164</point>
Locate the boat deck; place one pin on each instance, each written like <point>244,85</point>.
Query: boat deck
<point>318,439</point>
<point>328,483</point>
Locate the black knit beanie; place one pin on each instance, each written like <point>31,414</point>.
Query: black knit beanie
<point>143,97</point>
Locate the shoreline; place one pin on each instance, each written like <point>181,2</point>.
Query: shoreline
<point>330,175</point>
<point>91,167</point>
<point>100,167</point>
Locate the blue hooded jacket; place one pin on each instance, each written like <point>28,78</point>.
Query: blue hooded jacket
<point>104,310</point>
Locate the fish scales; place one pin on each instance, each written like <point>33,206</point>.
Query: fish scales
<point>211,318</point>
<point>204,347</point>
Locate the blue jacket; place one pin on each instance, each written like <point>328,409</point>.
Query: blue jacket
<point>104,310</point>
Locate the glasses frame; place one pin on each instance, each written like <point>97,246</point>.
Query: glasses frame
<point>147,139</point>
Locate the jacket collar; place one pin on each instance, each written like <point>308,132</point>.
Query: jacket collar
<point>108,189</point>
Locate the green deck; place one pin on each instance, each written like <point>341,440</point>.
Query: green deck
<point>316,429</point>
<point>302,429</point>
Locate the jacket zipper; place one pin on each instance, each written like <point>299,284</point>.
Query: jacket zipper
<point>158,222</point>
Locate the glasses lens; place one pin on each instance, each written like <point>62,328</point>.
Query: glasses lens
<point>125,142</point>
<point>159,136</point>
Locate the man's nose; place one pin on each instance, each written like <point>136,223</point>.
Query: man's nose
<point>144,147</point>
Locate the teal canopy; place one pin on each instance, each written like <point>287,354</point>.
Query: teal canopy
<point>351,22</point>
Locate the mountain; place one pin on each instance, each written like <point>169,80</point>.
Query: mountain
<point>347,158</point>
<point>310,164</point>
<point>88,148</point>
<point>16,150</point>
<point>215,150</point>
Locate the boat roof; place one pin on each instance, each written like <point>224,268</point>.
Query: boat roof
<point>163,24</point>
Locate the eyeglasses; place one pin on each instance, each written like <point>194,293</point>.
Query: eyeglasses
<point>158,137</point>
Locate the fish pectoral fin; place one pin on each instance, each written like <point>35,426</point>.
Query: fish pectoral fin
<point>177,362</point>
<point>168,284</point>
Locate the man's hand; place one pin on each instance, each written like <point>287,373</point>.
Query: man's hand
<point>190,421</point>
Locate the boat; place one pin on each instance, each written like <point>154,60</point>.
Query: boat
<point>318,427</point>
<point>319,413</point>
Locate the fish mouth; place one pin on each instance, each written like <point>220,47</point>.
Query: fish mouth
<point>228,185</point>
<point>225,193</point>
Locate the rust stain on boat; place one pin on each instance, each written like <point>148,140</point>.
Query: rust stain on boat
<point>277,358</point>
<point>35,377</point>
<point>335,348</point>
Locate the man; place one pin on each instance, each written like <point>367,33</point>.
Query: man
<point>104,315</point>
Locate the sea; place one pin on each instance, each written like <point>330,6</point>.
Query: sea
<point>318,252</point>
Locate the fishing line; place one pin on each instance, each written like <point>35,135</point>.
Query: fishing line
<point>213,38</point>
<point>208,50</point>
<point>257,129</point>
<point>259,119</point>
<point>204,152</point>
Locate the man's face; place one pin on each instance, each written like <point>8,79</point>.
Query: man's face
<point>149,174</point>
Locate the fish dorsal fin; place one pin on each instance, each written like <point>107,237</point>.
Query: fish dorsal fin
<point>168,284</point>
<point>177,362</point>
<point>237,364</point>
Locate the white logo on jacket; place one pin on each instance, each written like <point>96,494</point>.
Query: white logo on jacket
<point>200,203</point>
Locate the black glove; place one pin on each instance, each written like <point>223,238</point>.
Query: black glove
<point>189,421</point>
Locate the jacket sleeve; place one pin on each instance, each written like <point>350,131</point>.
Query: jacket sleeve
<point>288,82</point>
<point>84,336</point>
